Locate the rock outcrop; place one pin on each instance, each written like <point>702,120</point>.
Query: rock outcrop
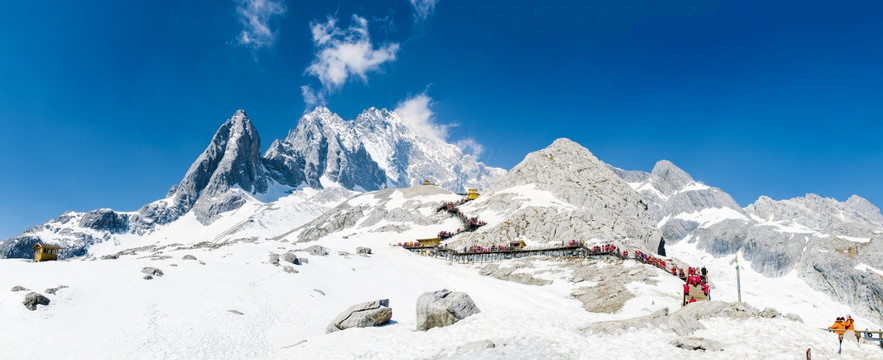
<point>33,299</point>
<point>443,308</point>
<point>372,313</point>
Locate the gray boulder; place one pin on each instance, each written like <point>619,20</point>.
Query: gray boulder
<point>363,251</point>
<point>443,308</point>
<point>55,289</point>
<point>188,257</point>
<point>317,250</point>
<point>152,271</point>
<point>372,313</point>
<point>33,299</point>
<point>19,288</point>
<point>274,259</point>
<point>291,257</point>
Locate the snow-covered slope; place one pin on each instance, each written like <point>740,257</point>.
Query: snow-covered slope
<point>231,302</point>
<point>824,242</point>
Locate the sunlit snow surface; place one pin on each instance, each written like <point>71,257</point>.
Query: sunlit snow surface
<point>110,312</point>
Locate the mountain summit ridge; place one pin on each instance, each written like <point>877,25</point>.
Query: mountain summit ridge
<point>323,150</point>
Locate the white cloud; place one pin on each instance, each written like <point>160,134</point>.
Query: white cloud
<point>423,8</point>
<point>255,16</point>
<point>310,97</point>
<point>418,117</point>
<point>470,146</point>
<point>343,53</point>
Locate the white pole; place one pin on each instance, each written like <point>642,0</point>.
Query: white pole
<point>738,280</point>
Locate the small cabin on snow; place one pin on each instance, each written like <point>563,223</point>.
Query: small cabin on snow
<point>428,243</point>
<point>472,194</point>
<point>517,244</point>
<point>46,252</point>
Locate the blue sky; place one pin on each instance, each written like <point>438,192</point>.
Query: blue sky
<point>107,103</point>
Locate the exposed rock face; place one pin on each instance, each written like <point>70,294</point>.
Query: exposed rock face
<point>19,288</point>
<point>368,209</point>
<point>589,201</point>
<point>33,299</point>
<point>189,257</point>
<point>231,161</point>
<point>376,150</point>
<point>826,241</point>
<point>443,308</point>
<point>363,251</point>
<point>105,219</point>
<point>372,313</point>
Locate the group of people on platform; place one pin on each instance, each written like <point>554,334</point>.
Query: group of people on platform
<point>609,248</point>
<point>649,259</point>
<point>470,223</point>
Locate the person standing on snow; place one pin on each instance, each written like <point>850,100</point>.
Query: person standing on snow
<point>839,328</point>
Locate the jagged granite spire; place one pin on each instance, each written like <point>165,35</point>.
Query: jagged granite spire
<point>231,161</point>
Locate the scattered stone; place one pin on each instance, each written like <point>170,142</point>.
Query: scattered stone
<point>274,259</point>
<point>237,312</point>
<point>289,270</point>
<point>110,257</point>
<point>344,254</point>
<point>510,273</point>
<point>443,308</point>
<point>697,344</point>
<point>19,288</point>
<point>476,346</point>
<point>201,263</point>
<point>188,257</point>
<point>173,265</point>
<point>794,317</point>
<point>55,289</point>
<point>770,313</point>
<point>152,271</point>
<point>33,299</point>
<point>291,257</point>
<point>148,277</point>
<point>363,251</point>
<point>319,291</point>
<point>372,313</point>
<point>317,250</point>
<point>304,260</point>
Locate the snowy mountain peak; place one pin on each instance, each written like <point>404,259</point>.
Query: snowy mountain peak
<point>231,160</point>
<point>668,178</point>
<point>374,151</point>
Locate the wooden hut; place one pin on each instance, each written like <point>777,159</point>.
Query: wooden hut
<point>46,252</point>
<point>517,244</point>
<point>472,194</point>
<point>428,243</point>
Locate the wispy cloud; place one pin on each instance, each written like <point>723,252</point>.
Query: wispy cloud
<point>343,53</point>
<point>417,114</point>
<point>423,8</point>
<point>255,17</point>
<point>470,146</point>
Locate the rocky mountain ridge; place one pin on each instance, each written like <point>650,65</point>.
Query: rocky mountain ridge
<point>833,246</point>
<point>375,151</point>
